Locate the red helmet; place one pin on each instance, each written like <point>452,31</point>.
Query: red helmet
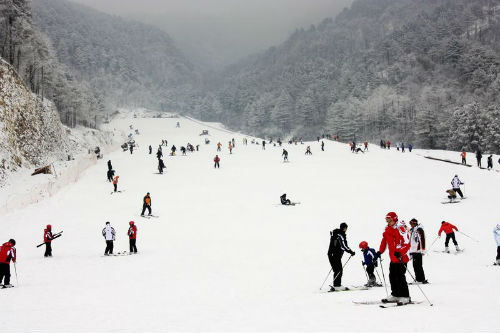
<point>49,226</point>
<point>131,223</point>
<point>393,216</point>
<point>363,245</point>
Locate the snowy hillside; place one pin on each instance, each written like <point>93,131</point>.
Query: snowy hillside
<point>223,255</point>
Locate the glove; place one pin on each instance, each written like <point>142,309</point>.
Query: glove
<point>378,254</point>
<point>363,263</point>
<point>352,253</point>
<point>397,255</point>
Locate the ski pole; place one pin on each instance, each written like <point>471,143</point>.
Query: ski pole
<point>15,270</point>
<point>335,277</point>
<point>468,236</point>
<point>364,269</point>
<point>415,281</point>
<point>434,242</point>
<point>320,288</point>
<point>383,275</point>
<point>376,271</point>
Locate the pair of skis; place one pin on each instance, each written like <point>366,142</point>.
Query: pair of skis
<point>54,236</point>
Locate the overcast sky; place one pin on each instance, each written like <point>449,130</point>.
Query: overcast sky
<point>219,32</point>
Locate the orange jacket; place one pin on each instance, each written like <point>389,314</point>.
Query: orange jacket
<point>115,180</point>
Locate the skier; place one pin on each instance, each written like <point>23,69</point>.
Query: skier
<point>490,162</point>
<point>110,175</point>
<point>234,143</point>
<point>417,249</point>
<point>7,254</point>
<point>395,237</point>
<point>452,195</point>
<point>172,150</point>
<point>284,200</point>
<point>322,145</point>
<point>338,244</point>
<point>496,234</point>
<point>109,235</point>
<point>456,182</point>
<point>183,150</point>
<point>410,147</point>
<point>370,260</point>
<point>132,236</point>
<point>159,154</point>
<point>285,155</point>
<point>216,160</point>
<point>308,150</point>
<point>230,148</point>
<point>388,145</point>
<point>366,145</point>
<point>115,183</point>
<point>146,204</point>
<point>463,154</point>
<point>131,147</point>
<point>448,230</point>
<point>479,156</point>
<point>263,144</point>
<point>178,125</point>
<point>219,145</point>
<point>47,239</point>
<point>161,165</point>
<point>110,167</point>
<point>150,149</point>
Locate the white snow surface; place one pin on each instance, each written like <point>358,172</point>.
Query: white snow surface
<point>224,256</point>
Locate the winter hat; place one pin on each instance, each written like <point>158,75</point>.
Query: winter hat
<point>413,220</point>
<point>363,245</point>
<point>12,241</point>
<point>49,227</point>
<point>108,223</point>
<point>343,225</point>
<point>131,223</point>
<point>393,216</point>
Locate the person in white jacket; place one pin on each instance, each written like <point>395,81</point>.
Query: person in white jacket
<point>417,249</point>
<point>456,182</point>
<point>109,235</point>
<point>496,234</point>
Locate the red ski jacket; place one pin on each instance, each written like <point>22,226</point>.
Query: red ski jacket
<point>47,236</point>
<point>396,238</point>
<point>447,228</point>
<point>216,159</point>
<point>132,232</point>
<point>7,253</point>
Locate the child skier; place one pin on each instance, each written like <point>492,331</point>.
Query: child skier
<point>448,230</point>
<point>7,254</point>
<point>132,236</point>
<point>370,260</point>
<point>146,204</point>
<point>47,239</point>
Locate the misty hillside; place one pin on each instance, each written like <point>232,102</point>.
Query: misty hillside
<point>420,71</point>
<point>129,62</point>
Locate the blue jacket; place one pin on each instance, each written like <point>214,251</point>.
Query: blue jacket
<point>370,256</point>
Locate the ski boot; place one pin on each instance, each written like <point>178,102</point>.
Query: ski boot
<point>7,286</point>
<point>457,248</point>
<point>404,300</point>
<point>498,261</point>
<point>390,299</point>
<point>447,249</point>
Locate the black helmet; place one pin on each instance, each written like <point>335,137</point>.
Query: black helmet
<point>12,241</point>
<point>343,225</point>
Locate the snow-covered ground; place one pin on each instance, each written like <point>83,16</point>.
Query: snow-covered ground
<point>225,256</point>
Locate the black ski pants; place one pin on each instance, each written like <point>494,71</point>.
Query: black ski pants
<point>144,207</point>
<point>369,270</point>
<point>336,263</point>
<point>449,236</point>
<point>109,247</point>
<point>216,165</point>
<point>397,278</point>
<point>4,273</point>
<point>417,267</point>
<point>133,248</point>
<point>459,191</point>
<point>48,249</point>
<point>116,187</point>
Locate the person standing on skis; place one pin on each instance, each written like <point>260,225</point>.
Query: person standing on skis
<point>109,235</point>
<point>7,254</point>
<point>456,182</point>
<point>395,238</point>
<point>132,236</point>
<point>370,260</point>
<point>496,234</point>
<point>115,183</point>
<point>417,249</point>
<point>216,161</point>
<point>448,230</point>
<point>47,239</point>
<point>146,204</point>
<point>285,155</point>
<point>338,245</point>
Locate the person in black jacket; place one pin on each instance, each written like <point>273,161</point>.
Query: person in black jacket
<point>284,200</point>
<point>161,165</point>
<point>338,245</point>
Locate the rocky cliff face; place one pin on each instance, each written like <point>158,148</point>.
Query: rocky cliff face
<point>31,133</point>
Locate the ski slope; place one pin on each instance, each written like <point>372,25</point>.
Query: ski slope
<point>224,256</point>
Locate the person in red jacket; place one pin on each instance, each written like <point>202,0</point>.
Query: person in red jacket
<point>448,230</point>
<point>7,254</point>
<point>132,236</point>
<point>47,239</point>
<point>388,144</point>
<point>216,160</point>
<point>395,237</point>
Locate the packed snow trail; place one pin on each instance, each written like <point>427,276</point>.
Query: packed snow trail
<point>224,256</point>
